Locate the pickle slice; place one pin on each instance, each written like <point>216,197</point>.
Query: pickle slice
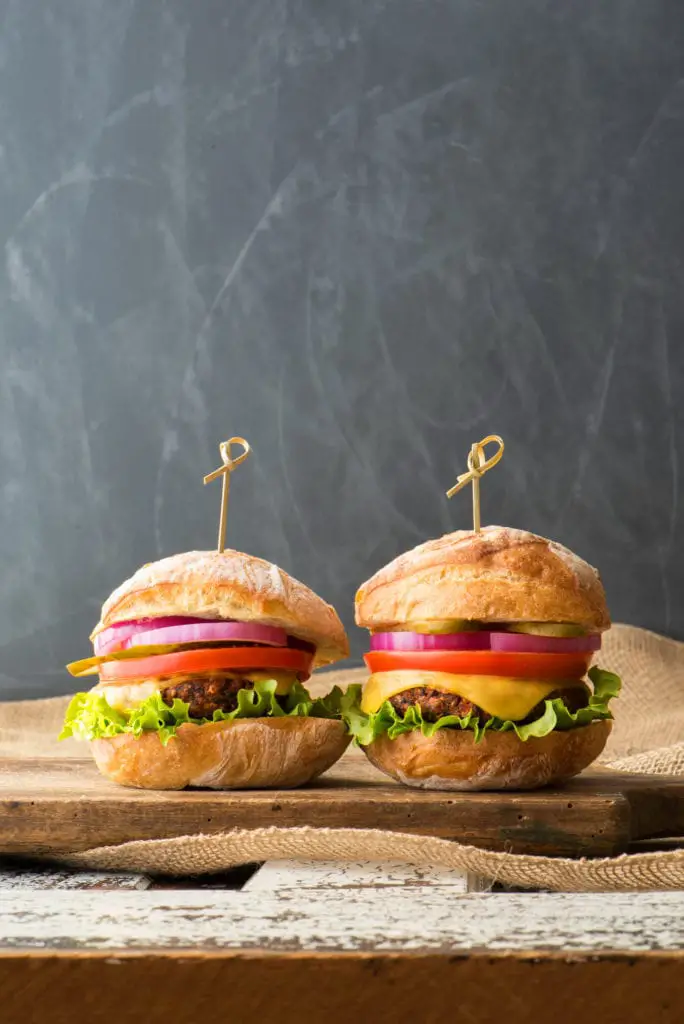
<point>444,626</point>
<point>557,629</point>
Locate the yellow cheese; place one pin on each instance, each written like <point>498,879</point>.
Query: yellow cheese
<point>501,696</point>
<point>284,679</point>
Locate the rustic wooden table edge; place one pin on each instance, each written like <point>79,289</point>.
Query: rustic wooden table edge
<point>435,918</point>
<point>360,953</point>
<point>51,807</point>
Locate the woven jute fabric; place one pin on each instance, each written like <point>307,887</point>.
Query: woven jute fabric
<point>202,854</point>
<point>648,737</point>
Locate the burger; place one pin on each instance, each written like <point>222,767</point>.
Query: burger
<point>202,659</point>
<point>481,646</point>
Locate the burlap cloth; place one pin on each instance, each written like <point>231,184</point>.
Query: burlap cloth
<point>648,736</point>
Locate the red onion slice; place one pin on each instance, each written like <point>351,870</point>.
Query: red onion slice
<point>484,640</point>
<point>112,638</point>
<point>196,632</point>
<point>180,630</point>
<point>526,643</point>
<point>405,641</point>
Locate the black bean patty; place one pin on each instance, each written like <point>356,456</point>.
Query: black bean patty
<point>436,704</point>
<point>208,694</point>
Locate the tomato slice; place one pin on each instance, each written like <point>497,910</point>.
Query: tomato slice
<point>486,663</point>
<point>209,660</point>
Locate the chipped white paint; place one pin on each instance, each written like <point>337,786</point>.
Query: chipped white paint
<point>277,876</point>
<point>40,879</point>
<point>388,920</point>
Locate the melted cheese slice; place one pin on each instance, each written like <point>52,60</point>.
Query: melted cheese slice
<point>124,696</point>
<point>501,696</point>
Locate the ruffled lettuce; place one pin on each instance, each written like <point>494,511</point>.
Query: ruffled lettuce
<point>90,717</point>
<point>366,728</point>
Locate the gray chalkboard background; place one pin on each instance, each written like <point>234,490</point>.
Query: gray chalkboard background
<point>361,233</point>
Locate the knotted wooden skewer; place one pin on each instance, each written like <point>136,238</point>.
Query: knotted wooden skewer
<point>229,464</point>
<point>478,465</point>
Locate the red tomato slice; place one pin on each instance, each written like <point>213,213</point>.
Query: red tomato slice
<point>485,663</point>
<point>209,660</point>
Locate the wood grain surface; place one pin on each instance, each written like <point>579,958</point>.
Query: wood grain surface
<point>338,988</point>
<point>353,920</point>
<point>41,880</point>
<point>281,875</point>
<point>423,955</point>
<point>48,807</point>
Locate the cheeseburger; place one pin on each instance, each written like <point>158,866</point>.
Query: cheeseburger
<point>481,646</point>
<point>201,660</point>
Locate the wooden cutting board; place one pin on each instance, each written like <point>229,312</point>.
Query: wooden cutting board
<point>51,806</point>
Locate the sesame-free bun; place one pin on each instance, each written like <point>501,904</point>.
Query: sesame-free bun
<point>249,753</point>
<point>228,585</point>
<point>498,575</point>
<point>451,759</point>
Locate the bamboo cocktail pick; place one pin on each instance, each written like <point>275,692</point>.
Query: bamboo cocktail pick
<point>478,465</point>
<point>229,464</point>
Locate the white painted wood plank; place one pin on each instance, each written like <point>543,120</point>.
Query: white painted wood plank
<point>389,920</point>
<point>276,876</point>
<point>38,879</point>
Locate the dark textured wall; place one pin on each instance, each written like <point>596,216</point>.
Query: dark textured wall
<point>363,234</point>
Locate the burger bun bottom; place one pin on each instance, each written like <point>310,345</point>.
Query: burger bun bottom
<point>254,753</point>
<point>450,758</point>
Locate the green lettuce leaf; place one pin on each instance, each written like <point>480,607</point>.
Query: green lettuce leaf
<point>366,728</point>
<point>90,717</point>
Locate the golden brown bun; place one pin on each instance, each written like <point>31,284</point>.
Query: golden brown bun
<point>498,575</point>
<point>254,753</point>
<point>450,759</point>
<point>230,585</point>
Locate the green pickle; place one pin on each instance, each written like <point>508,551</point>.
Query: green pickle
<point>444,626</point>
<point>554,629</point>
